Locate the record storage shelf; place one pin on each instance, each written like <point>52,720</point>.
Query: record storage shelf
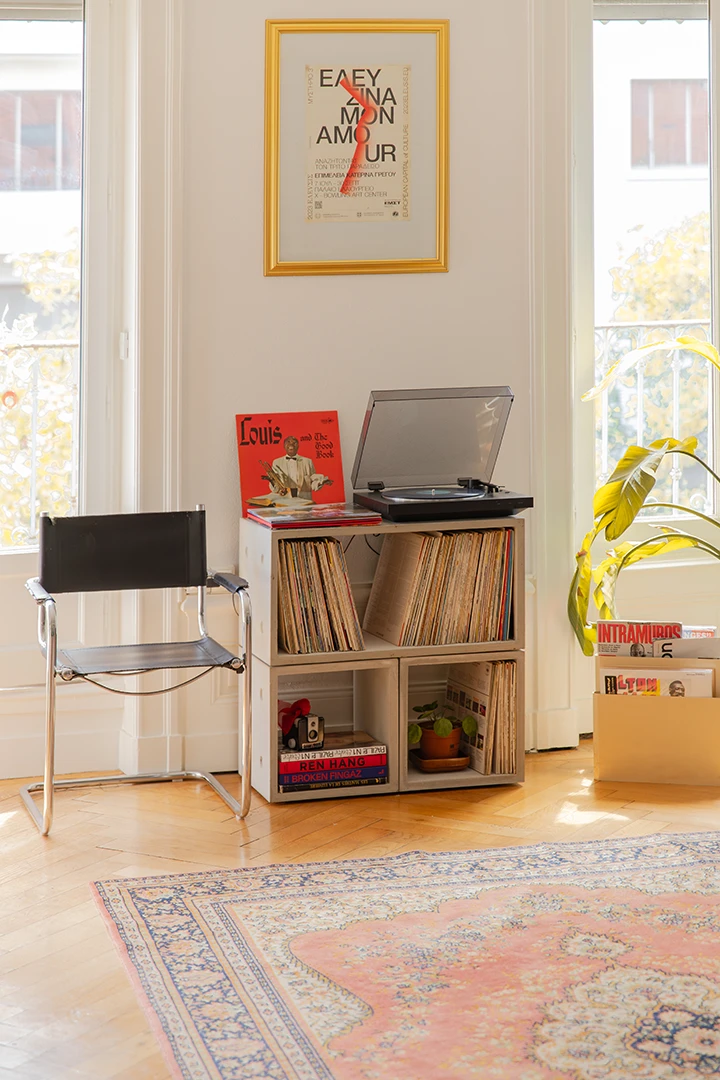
<point>386,695</point>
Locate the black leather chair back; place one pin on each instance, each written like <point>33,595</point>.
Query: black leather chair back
<point>122,551</point>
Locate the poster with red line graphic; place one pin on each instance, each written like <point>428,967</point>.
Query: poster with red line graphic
<point>289,460</point>
<point>358,143</point>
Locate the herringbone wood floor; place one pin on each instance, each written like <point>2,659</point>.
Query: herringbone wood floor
<point>66,1006</point>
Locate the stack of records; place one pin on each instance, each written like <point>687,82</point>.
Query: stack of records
<point>500,739</point>
<point>443,588</point>
<point>315,602</point>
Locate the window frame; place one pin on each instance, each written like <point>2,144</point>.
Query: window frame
<point>583,225</point>
<point>97,457</point>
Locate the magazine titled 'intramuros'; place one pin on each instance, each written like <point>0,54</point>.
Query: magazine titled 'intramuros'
<point>657,682</point>
<point>632,638</point>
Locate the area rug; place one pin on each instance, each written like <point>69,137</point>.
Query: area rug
<point>590,961</point>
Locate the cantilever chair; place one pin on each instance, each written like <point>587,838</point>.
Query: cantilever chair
<point>132,551</point>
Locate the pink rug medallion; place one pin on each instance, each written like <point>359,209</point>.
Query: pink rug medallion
<point>588,961</point>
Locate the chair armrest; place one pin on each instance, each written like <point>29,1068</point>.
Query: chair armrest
<point>231,582</point>
<point>36,590</point>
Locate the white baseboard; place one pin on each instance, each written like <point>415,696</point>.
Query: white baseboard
<point>216,752</point>
<point>87,729</point>
<point>80,751</point>
<point>555,728</point>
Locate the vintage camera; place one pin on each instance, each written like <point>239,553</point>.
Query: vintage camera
<point>311,732</point>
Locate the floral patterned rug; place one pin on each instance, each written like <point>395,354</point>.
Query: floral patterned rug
<point>590,961</point>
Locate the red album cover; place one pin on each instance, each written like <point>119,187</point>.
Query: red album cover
<point>289,459</point>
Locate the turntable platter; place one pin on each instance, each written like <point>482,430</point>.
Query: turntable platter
<point>424,494</point>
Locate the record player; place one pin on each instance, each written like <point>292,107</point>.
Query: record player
<point>426,455</point>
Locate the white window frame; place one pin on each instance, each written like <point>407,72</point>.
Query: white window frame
<point>612,10</point>
<point>98,433</point>
<point>102,223</point>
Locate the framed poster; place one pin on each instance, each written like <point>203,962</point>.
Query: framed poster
<point>356,146</point>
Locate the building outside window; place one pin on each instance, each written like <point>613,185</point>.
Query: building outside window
<point>669,122</point>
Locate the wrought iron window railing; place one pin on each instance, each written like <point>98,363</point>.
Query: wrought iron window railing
<point>666,394</point>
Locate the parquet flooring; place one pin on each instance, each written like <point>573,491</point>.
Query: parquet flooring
<point>66,1007</point>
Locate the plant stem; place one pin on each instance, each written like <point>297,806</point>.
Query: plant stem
<point>688,510</point>
<point>702,545</point>
<point>689,453</point>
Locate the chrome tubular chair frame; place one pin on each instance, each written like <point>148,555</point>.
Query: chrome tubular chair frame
<point>48,641</point>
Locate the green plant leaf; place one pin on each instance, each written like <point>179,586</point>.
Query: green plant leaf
<point>442,727</point>
<point>579,595</point>
<point>606,572</point>
<point>414,734</point>
<point>469,726</point>
<point>686,343</point>
<point>605,577</point>
<point>622,497</point>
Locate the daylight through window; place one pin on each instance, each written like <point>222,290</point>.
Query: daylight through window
<point>652,242</point>
<point>40,208</point>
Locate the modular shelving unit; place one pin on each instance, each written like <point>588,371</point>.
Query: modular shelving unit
<point>373,690</point>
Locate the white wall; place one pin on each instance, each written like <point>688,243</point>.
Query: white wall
<point>252,343</point>
<point>209,336</point>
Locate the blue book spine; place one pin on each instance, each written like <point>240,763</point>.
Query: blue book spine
<point>298,779</point>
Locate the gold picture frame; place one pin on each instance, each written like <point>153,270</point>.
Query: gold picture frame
<point>295,49</point>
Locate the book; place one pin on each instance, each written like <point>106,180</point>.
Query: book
<point>704,648</point>
<point>635,638</point>
<point>350,743</point>
<point>330,775</point>
<point>699,631</point>
<point>436,588</point>
<point>289,460</point>
<point>290,517</point>
<point>367,782</point>
<point>326,764</point>
<point>316,609</point>
<point>658,682</point>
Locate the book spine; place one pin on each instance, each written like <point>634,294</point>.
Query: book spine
<point>327,764</point>
<point>303,779</point>
<point>334,784</point>
<point>319,755</point>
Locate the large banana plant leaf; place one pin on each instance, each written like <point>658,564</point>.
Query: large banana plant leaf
<point>623,496</point>
<point>687,343</point>
<point>605,574</point>
<point>579,595</point>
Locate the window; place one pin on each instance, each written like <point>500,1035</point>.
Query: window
<point>41,65</point>
<point>39,140</point>
<point>669,122</point>
<point>652,241</point>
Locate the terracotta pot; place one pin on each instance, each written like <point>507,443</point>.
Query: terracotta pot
<point>438,746</point>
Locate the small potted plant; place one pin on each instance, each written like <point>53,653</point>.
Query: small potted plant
<point>438,735</point>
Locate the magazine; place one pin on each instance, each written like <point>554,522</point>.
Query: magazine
<point>290,517</point>
<point>291,460</point>
<point>706,648</point>
<point>634,638</point>
<point>657,682</point>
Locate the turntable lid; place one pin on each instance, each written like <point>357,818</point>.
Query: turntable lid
<point>430,437</point>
